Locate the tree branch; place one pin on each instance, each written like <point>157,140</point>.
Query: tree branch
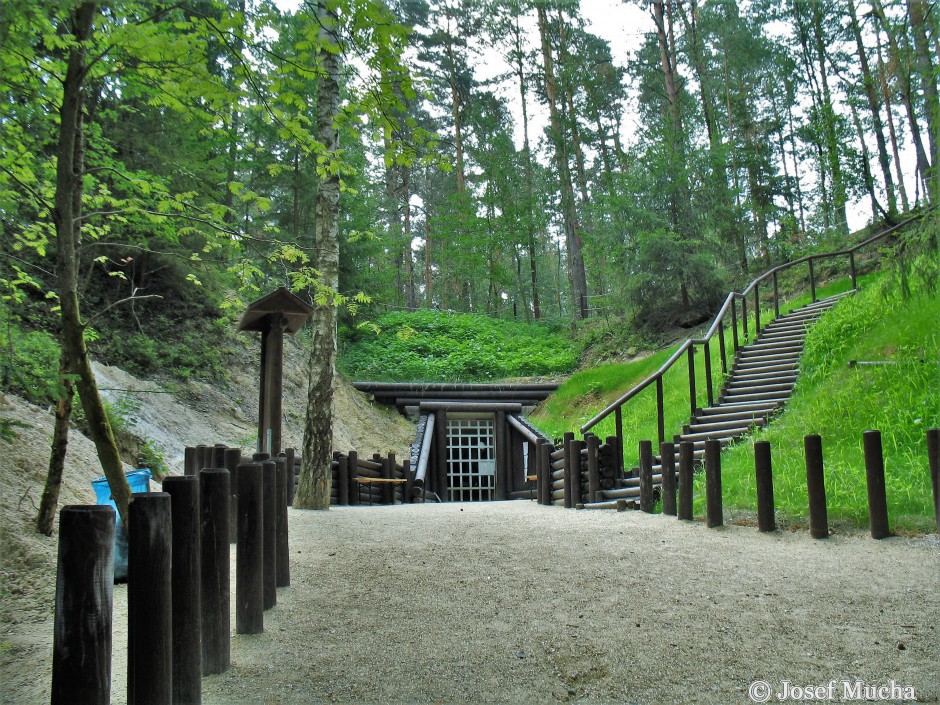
<point>35,194</point>
<point>118,303</point>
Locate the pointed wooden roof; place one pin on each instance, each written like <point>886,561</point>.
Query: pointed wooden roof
<point>294,309</point>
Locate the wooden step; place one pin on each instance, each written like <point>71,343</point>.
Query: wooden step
<point>781,338</point>
<point>746,381</point>
<point>776,397</point>
<point>761,351</point>
<point>731,426</point>
<point>726,410</point>
<point>769,371</point>
<point>785,387</point>
<point>716,435</point>
<point>760,360</point>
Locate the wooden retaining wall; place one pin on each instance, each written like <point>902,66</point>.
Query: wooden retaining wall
<point>576,471</point>
<point>375,480</point>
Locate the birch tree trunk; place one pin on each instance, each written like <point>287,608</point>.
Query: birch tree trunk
<point>313,490</point>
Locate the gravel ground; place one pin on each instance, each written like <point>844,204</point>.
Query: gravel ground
<point>509,602</point>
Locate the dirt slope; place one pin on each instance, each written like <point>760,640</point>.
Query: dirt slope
<point>199,414</point>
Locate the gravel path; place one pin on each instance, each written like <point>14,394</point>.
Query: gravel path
<point>509,602</point>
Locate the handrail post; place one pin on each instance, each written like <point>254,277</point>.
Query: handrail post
<point>745,335</point>
<point>721,346</point>
<point>618,426</point>
<point>812,280</point>
<point>660,410</point>
<point>708,376</point>
<point>756,310</point>
<point>776,298</point>
<point>692,379</point>
<point>734,322</point>
<point>852,270</point>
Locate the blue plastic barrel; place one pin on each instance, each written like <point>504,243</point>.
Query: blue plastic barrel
<point>139,480</point>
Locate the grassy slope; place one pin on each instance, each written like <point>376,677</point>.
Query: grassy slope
<point>901,399</point>
<point>438,346</point>
<point>831,399</point>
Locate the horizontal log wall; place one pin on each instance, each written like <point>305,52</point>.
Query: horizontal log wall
<point>596,467</point>
<point>347,469</point>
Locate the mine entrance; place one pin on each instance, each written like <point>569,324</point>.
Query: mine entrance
<point>471,459</point>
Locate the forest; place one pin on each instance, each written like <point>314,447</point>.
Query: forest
<point>163,163</point>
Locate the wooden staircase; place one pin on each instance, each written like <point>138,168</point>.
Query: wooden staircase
<point>759,383</point>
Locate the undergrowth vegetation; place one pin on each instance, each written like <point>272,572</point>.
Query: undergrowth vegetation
<point>437,346</point>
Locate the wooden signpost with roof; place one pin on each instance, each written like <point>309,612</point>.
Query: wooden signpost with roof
<point>274,315</point>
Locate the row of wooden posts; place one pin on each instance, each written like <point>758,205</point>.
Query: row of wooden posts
<point>578,471</point>
<point>677,491</point>
<point>178,582</point>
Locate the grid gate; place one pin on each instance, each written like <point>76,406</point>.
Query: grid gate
<point>471,460</point>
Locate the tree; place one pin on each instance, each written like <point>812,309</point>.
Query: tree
<point>313,491</point>
<point>78,72</point>
<point>577,274</point>
<point>334,29</point>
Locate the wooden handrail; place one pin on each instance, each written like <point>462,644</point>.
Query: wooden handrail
<point>717,327</point>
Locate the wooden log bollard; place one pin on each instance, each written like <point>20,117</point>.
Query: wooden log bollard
<point>189,461</point>
<point>763,469</point>
<point>214,491</point>
<point>713,506</point>
<point>667,454</point>
<point>594,475</point>
<point>545,457</point>
<point>387,490</point>
<point>218,455</point>
<point>408,488</point>
<point>569,468</point>
<point>353,472</point>
<point>84,597</point>
<point>231,460</point>
<point>249,552</point>
<point>875,481</point>
<point>186,587</point>
<point>816,487</point>
<point>646,476</point>
<point>342,481</point>
<point>933,460</point>
<point>282,549</point>
<point>576,483</point>
<point>686,460</point>
<point>290,455</point>
<point>203,457</point>
<point>269,536</point>
<point>149,600</point>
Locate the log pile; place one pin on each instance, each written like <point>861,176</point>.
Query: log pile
<point>577,471</point>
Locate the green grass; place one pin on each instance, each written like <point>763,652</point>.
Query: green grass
<point>840,402</point>
<point>588,392</point>
<point>436,346</point>
<point>832,399</point>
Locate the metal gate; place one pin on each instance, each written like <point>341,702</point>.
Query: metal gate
<point>471,460</point>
